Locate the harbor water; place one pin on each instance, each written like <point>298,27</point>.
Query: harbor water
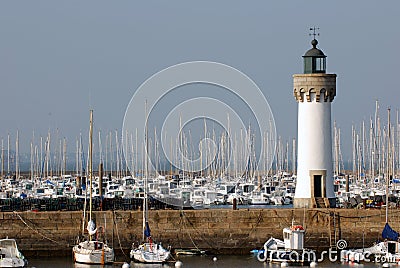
<point>221,261</point>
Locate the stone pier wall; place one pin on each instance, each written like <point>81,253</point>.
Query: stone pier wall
<point>220,231</point>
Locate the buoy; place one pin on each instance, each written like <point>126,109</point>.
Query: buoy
<point>215,259</point>
<point>284,264</point>
<point>125,265</point>
<point>313,264</point>
<point>178,264</point>
<point>254,251</point>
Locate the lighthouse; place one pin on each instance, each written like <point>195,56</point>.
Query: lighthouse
<point>314,91</point>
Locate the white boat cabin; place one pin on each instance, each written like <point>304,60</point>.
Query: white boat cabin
<point>293,237</point>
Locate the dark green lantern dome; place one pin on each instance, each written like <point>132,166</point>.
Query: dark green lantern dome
<point>314,60</point>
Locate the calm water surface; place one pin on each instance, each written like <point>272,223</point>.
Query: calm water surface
<point>223,261</point>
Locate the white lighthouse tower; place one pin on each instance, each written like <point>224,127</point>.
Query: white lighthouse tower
<point>314,91</point>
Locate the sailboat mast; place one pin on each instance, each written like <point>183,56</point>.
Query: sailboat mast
<point>17,156</point>
<point>398,144</point>
<point>65,155</point>
<point>294,157</point>
<point>376,148</point>
<point>388,167</point>
<point>2,158</point>
<point>8,154</point>
<point>90,166</point>
<point>145,201</point>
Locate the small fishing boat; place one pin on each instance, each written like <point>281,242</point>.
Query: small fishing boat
<point>10,256</point>
<point>290,251</point>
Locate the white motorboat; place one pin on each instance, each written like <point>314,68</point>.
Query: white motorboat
<point>10,256</point>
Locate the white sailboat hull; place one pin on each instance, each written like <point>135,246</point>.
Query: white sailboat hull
<point>93,252</point>
<point>150,254</point>
<point>385,250</point>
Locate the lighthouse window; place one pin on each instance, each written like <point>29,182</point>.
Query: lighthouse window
<point>320,64</point>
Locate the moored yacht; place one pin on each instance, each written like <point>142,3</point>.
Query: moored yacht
<point>10,256</point>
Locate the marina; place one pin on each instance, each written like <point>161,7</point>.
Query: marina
<point>197,212</point>
<point>141,215</point>
<point>128,140</point>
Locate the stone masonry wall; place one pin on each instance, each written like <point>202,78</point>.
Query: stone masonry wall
<point>219,231</point>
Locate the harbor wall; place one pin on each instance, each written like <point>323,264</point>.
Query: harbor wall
<point>220,231</point>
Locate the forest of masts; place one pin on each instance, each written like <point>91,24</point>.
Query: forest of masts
<point>375,152</point>
<point>375,147</point>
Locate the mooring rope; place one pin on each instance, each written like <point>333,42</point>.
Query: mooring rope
<point>36,231</point>
<point>254,227</point>
<point>206,240</point>
<point>119,240</point>
<point>187,231</point>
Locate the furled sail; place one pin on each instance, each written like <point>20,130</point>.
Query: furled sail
<point>91,227</point>
<point>147,230</point>
<point>389,233</point>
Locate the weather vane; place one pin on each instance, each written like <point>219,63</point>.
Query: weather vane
<point>313,33</point>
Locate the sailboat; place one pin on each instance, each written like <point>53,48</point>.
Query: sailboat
<point>92,251</point>
<point>148,252</point>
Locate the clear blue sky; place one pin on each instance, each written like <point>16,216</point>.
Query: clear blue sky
<point>58,59</point>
